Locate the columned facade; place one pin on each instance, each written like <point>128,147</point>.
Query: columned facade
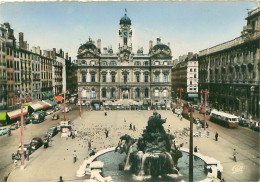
<point>231,71</point>
<point>127,78</point>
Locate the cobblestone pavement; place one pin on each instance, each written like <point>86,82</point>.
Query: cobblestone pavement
<point>51,163</point>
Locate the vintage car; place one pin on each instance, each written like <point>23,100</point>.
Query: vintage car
<point>55,117</point>
<point>4,131</point>
<point>36,143</point>
<point>243,122</point>
<point>52,132</point>
<point>14,126</point>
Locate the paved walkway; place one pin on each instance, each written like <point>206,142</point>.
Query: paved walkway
<point>51,163</point>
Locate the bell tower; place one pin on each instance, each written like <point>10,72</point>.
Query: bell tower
<point>125,34</point>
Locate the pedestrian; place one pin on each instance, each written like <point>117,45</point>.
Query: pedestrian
<point>106,133</point>
<point>89,145</point>
<point>134,127</point>
<point>216,136</point>
<point>130,127</point>
<point>118,145</point>
<point>9,132</point>
<point>61,180</point>
<point>196,149</point>
<point>235,155</point>
<point>25,154</point>
<point>74,156</point>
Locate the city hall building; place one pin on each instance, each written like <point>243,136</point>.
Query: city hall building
<point>124,80</point>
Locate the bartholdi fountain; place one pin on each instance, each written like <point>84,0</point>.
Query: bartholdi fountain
<point>154,154</point>
<point>152,157</point>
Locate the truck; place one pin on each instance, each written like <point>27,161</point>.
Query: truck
<point>65,128</point>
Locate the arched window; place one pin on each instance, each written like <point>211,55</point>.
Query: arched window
<point>146,92</point>
<point>137,93</point>
<point>165,77</point>
<point>137,63</point>
<point>156,78</point>
<point>104,63</point>
<point>104,92</point>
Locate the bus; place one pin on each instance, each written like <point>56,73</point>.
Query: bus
<point>224,119</point>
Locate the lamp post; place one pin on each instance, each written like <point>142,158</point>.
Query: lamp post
<point>191,109</point>
<point>180,89</point>
<point>64,106</point>
<point>80,103</point>
<point>21,138</point>
<point>205,102</point>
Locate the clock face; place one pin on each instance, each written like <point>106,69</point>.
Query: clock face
<point>125,33</point>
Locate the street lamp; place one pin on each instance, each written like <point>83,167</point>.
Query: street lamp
<point>80,102</point>
<point>191,110</point>
<point>21,138</point>
<point>180,89</point>
<point>205,102</point>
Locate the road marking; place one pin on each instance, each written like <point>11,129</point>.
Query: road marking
<point>238,168</point>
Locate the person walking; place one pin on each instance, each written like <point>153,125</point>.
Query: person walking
<point>130,127</point>
<point>106,133</point>
<point>89,145</point>
<point>134,127</point>
<point>9,132</point>
<point>235,155</point>
<point>216,136</point>
<point>74,156</point>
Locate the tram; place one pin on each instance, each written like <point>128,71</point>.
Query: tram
<point>224,119</point>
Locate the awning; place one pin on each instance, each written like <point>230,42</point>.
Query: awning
<point>36,107</point>
<point>51,103</point>
<point>44,105</point>
<point>2,116</point>
<point>17,113</point>
<point>58,98</point>
<point>193,95</point>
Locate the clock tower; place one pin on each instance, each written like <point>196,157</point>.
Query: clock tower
<point>125,35</point>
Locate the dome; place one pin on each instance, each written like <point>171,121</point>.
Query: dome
<point>161,46</point>
<point>88,45</point>
<point>125,20</point>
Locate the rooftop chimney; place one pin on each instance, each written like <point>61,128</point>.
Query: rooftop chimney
<point>21,39</point>
<point>54,53</point>
<point>99,44</point>
<point>150,44</point>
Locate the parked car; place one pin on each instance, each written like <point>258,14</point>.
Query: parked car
<point>38,117</point>
<point>49,112</point>
<point>4,131</point>
<point>28,120</point>
<point>243,122</point>
<point>255,126</point>
<point>55,117</point>
<point>36,143</point>
<point>196,120</point>
<point>66,109</point>
<point>52,131</point>
<point>27,147</point>
<point>14,126</point>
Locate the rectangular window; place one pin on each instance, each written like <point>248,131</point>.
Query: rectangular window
<point>190,82</point>
<point>156,78</point>
<point>83,77</point>
<point>156,93</point>
<point>92,78</point>
<point>125,78</point>
<point>146,78</point>
<point>137,78</point>
<point>104,78</point>
<point>165,78</point>
<point>113,78</point>
<point>195,75</point>
<point>93,94</point>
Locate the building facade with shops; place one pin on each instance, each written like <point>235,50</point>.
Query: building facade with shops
<point>185,78</point>
<point>127,79</point>
<point>230,71</point>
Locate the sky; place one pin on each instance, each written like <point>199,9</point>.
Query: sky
<point>187,26</point>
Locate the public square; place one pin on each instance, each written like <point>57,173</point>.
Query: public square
<point>51,163</point>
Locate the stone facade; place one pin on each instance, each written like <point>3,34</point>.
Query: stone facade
<point>230,71</point>
<point>140,79</point>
